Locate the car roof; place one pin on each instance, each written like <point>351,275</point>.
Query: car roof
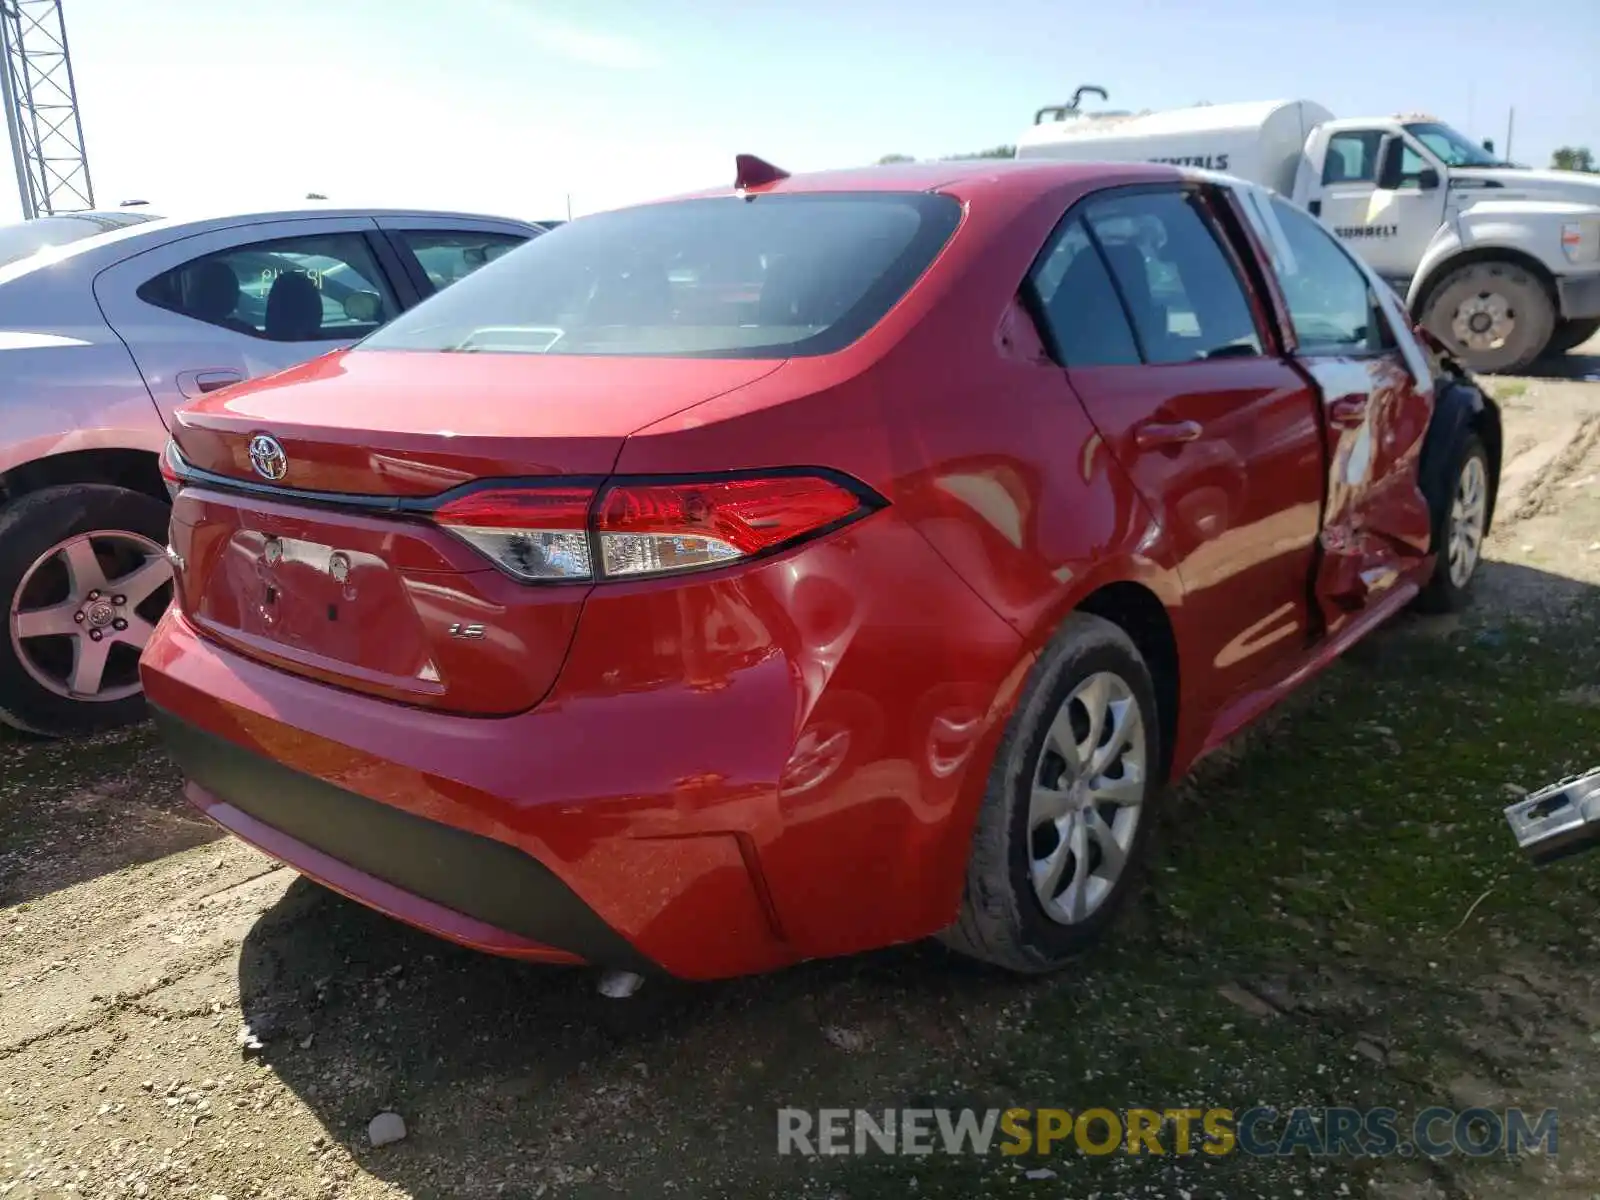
<point>963,178</point>
<point>221,218</point>
<point>115,244</point>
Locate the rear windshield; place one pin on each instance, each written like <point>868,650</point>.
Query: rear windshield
<point>759,277</point>
<point>27,238</point>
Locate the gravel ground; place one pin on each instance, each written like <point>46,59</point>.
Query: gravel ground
<point>181,1017</point>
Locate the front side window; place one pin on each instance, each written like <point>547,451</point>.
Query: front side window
<point>1179,288</point>
<point>1352,157</point>
<point>731,277</point>
<point>448,256</point>
<point>1412,165</point>
<point>1329,298</point>
<point>304,289</point>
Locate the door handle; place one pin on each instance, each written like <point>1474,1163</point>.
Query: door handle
<point>1156,435</point>
<point>198,383</point>
<point>1347,412</point>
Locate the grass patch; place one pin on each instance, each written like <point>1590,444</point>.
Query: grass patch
<point>1329,868</point>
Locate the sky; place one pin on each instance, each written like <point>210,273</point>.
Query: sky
<point>515,106</point>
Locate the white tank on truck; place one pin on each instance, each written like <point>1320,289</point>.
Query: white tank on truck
<point>1500,262</point>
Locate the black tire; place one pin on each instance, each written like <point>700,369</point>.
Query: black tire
<point>1002,919</point>
<point>1532,310</point>
<point>1444,594</point>
<point>29,527</point>
<point>1570,334</point>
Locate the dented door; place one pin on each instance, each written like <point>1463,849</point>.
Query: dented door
<point>1375,520</point>
<point>1349,335</point>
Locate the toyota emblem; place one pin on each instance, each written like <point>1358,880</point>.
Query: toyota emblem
<point>267,457</point>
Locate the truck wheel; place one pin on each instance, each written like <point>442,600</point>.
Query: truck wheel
<point>1571,334</point>
<point>1064,824</point>
<point>1494,316</point>
<point>84,577</point>
<point>1459,530</point>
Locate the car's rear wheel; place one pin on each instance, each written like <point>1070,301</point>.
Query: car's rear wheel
<point>1064,824</point>
<point>84,577</point>
<point>1459,529</point>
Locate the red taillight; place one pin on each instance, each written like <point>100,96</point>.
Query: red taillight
<point>644,528</point>
<point>649,528</point>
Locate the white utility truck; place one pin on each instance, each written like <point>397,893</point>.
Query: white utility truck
<point>1500,262</point>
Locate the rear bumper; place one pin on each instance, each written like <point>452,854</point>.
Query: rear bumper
<point>457,885</point>
<point>476,829</point>
<point>773,764</point>
<point>1579,295</point>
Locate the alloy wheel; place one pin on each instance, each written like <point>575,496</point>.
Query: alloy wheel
<point>1467,512</point>
<point>85,609</point>
<point>1087,798</point>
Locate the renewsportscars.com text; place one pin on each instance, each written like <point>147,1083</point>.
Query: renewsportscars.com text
<point>1262,1131</point>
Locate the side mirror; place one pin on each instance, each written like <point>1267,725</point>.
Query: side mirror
<point>1428,179</point>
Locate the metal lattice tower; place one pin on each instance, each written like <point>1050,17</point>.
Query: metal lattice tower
<point>41,103</point>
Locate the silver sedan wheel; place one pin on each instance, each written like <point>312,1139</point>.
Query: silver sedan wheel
<point>1467,512</point>
<point>1087,799</point>
<point>84,611</point>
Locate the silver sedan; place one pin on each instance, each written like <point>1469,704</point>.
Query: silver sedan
<point>107,322</point>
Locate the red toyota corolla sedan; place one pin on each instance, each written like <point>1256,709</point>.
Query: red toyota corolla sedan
<point>820,564</point>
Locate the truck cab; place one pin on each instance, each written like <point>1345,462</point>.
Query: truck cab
<point>1489,254</point>
<point>1500,262</point>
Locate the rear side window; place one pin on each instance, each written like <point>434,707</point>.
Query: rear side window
<point>1083,318</point>
<point>1183,295</point>
<point>326,287</point>
<point>760,277</point>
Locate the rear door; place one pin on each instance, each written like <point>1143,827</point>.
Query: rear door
<point>1174,364</point>
<point>1376,402</point>
<point>220,307</point>
<point>438,251</point>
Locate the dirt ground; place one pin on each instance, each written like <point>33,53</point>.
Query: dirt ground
<point>1336,916</point>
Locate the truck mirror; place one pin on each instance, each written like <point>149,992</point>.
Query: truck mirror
<point>1427,179</point>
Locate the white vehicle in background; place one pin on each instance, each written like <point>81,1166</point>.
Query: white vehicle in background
<point>108,321</point>
<point>1499,262</point>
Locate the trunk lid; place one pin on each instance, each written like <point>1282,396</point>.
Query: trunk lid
<point>412,423</point>
<point>354,588</point>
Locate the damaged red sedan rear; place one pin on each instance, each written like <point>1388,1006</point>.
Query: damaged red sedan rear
<point>822,564</point>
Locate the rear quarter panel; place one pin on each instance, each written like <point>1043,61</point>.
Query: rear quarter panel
<point>949,409</point>
<point>66,381</point>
